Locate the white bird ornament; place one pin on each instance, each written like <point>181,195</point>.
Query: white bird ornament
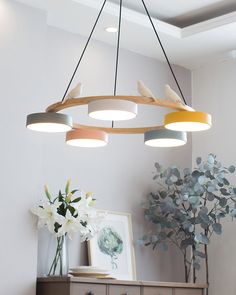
<point>74,93</point>
<point>172,95</point>
<point>144,91</point>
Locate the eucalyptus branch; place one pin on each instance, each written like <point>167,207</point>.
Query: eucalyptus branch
<point>177,245</point>
<point>162,185</point>
<point>190,267</point>
<point>211,211</point>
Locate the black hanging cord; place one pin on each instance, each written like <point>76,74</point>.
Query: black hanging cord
<point>117,54</point>
<point>86,45</point>
<point>167,59</point>
<point>118,48</point>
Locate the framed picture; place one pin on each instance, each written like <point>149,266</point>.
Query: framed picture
<point>112,248</point>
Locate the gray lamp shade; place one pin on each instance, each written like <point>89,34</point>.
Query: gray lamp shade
<point>49,122</point>
<point>165,138</point>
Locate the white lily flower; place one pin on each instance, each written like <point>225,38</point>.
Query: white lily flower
<point>86,199</point>
<point>93,222</point>
<point>87,222</point>
<point>47,215</point>
<point>69,225</point>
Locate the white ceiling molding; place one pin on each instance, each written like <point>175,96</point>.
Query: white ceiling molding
<point>133,16</point>
<point>190,47</point>
<point>208,25</point>
<point>163,27</point>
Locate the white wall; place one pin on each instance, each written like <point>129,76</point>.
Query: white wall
<point>214,88</point>
<point>36,63</point>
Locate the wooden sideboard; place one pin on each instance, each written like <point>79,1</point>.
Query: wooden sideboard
<point>86,286</point>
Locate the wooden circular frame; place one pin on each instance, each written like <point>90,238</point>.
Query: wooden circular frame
<point>74,102</point>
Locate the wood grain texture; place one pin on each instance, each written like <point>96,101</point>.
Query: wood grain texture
<point>53,288</point>
<point>71,279</point>
<point>88,286</point>
<point>87,289</point>
<point>157,291</point>
<point>122,290</point>
<point>160,102</point>
<point>140,130</point>
<point>182,291</point>
<point>174,285</point>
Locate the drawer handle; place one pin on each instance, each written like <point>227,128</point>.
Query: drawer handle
<point>90,293</point>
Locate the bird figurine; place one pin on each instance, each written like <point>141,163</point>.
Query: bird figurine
<point>74,93</point>
<point>189,109</point>
<point>144,91</point>
<point>172,95</point>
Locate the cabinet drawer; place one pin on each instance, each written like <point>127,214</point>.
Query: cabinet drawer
<point>186,291</point>
<point>87,289</point>
<point>157,291</point>
<point>124,290</point>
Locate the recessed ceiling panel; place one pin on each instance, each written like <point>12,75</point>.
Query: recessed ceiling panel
<point>194,45</point>
<point>182,12</point>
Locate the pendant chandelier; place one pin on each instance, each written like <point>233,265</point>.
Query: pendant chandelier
<point>121,107</point>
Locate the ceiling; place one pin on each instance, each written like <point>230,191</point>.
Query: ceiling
<point>182,13</point>
<point>194,32</point>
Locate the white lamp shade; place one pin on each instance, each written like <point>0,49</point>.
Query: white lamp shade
<point>49,122</point>
<point>112,109</point>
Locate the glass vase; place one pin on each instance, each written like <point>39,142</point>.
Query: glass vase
<point>58,263</point>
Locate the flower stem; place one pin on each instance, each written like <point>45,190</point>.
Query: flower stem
<point>57,258</point>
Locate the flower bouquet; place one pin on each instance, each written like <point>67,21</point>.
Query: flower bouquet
<point>64,215</point>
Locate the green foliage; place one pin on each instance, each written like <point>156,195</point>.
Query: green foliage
<point>188,207</point>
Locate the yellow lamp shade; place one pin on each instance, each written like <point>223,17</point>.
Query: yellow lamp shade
<point>188,121</point>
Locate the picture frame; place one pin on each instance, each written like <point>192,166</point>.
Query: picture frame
<point>112,248</point>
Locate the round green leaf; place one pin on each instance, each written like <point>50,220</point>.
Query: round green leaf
<point>231,169</point>
<point>217,228</point>
<point>199,160</point>
<point>201,180</point>
<point>211,159</point>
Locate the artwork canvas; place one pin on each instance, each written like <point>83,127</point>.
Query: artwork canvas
<point>112,248</point>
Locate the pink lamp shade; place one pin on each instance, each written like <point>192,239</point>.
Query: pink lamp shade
<point>86,138</point>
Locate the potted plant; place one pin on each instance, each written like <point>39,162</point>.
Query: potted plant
<point>187,210</point>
